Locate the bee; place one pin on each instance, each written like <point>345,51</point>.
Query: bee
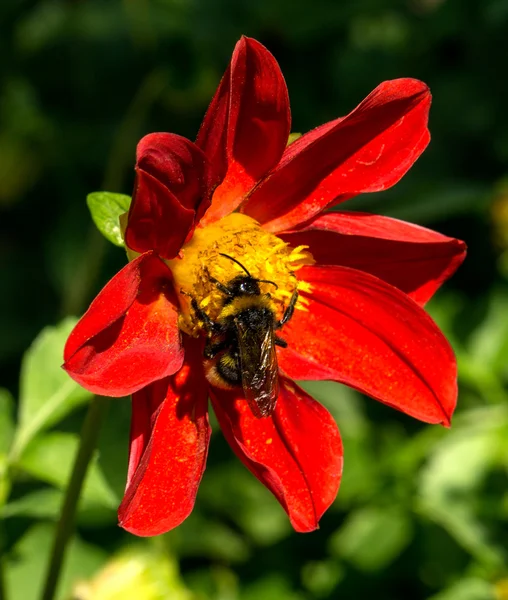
<point>240,348</point>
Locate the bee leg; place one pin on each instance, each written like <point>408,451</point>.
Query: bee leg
<point>210,326</point>
<point>288,313</point>
<point>211,350</point>
<point>220,286</point>
<point>280,342</point>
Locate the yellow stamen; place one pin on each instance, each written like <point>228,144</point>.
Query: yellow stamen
<point>263,254</point>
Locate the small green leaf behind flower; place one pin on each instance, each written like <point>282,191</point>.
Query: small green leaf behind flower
<point>293,137</point>
<point>106,208</point>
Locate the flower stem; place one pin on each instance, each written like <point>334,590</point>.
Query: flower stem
<point>65,526</point>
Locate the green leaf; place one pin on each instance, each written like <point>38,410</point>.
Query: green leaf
<point>372,537</point>
<point>468,589</point>
<point>47,393</point>
<point>50,458</point>
<point>458,464</point>
<point>451,483</point>
<point>488,345</point>
<point>106,208</point>
<point>6,421</point>
<point>41,504</point>
<point>26,565</point>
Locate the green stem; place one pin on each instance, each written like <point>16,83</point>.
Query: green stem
<point>65,526</point>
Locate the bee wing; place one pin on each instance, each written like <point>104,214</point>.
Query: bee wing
<point>258,361</point>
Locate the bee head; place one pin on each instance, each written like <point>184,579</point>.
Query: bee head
<point>242,285</point>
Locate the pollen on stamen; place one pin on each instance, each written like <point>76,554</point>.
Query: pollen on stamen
<point>264,256</point>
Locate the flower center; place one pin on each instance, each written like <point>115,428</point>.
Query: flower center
<point>264,256</point>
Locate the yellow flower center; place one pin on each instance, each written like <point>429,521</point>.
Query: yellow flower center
<point>264,255</point>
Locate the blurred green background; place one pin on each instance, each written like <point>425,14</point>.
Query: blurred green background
<point>423,511</point>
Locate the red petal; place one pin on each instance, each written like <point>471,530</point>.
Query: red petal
<point>163,483</point>
<point>367,151</point>
<point>414,259</point>
<point>369,335</point>
<point>246,127</point>
<point>174,185</point>
<point>145,408</point>
<point>129,336</point>
<point>157,220</point>
<point>296,453</point>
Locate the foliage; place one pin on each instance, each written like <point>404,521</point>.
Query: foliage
<point>422,512</point>
<point>105,209</point>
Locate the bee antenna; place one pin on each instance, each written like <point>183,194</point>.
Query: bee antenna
<point>236,261</point>
<point>268,281</point>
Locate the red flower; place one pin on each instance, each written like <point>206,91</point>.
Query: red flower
<point>362,281</point>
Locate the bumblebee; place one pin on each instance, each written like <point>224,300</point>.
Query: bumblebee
<point>240,348</point>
